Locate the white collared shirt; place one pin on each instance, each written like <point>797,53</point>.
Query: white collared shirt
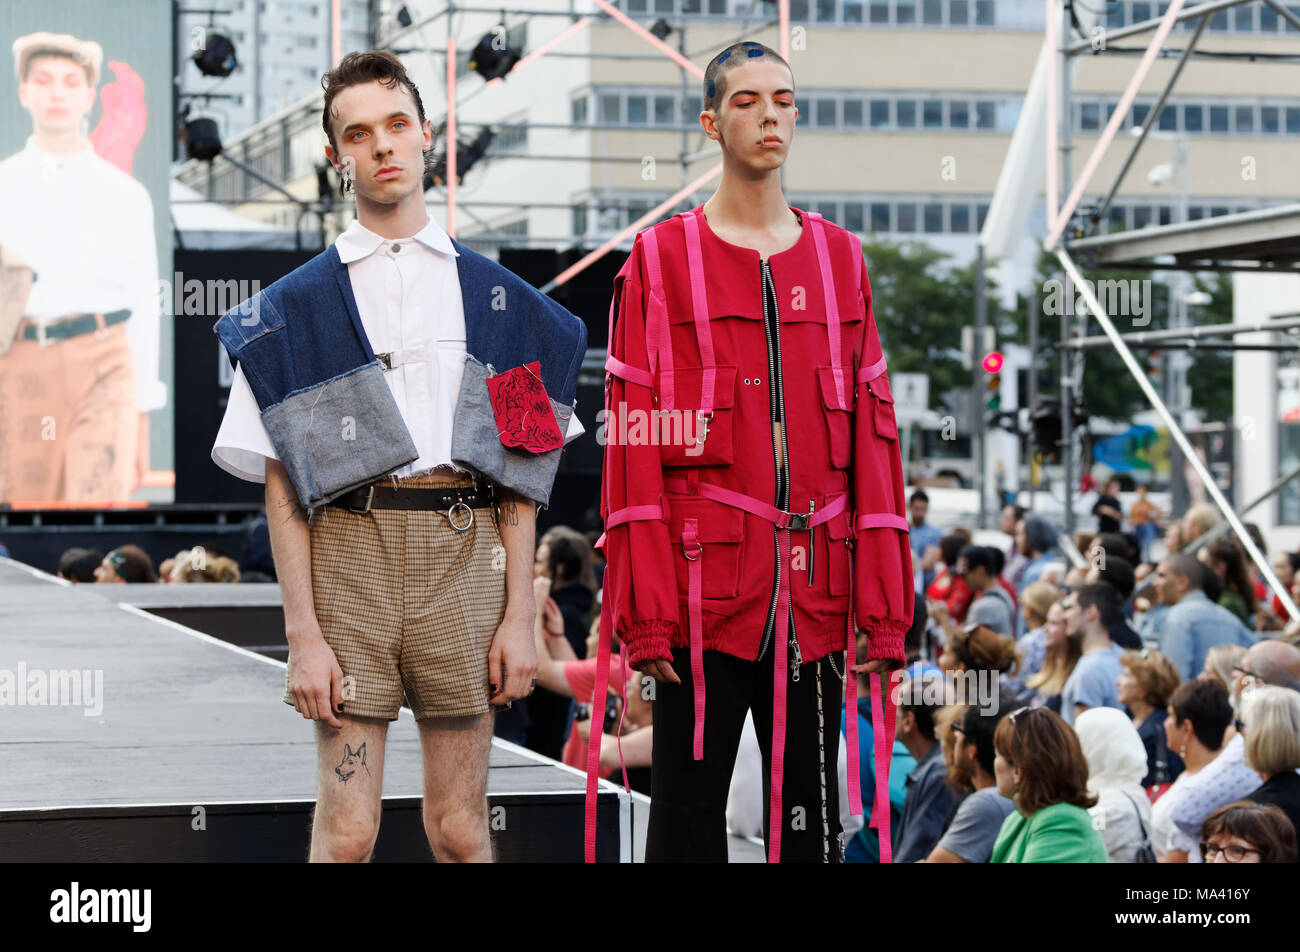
<point>408,295</point>
<point>86,228</point>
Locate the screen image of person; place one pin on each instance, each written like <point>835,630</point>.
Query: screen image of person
<point>79,325</point>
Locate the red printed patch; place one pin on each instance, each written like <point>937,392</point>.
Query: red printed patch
<point>524,415</point>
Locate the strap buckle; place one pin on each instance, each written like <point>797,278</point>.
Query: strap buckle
<point>798,521</point>
<point>699,550</point>
<point>370,497</point>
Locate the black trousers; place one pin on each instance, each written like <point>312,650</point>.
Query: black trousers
<point>688,797</point>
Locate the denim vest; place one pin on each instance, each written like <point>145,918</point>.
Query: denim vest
<point>329,412</point>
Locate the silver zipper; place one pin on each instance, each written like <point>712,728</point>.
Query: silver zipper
<point>772,330</point>
<point>772,397</point>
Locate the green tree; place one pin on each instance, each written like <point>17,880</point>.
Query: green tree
<point>921,303</point>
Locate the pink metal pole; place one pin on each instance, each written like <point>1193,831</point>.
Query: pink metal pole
<point>1125,103</point>
<point>1052,184</point>
<point>783,24</point>
<point>632,229</point>
<point>335,51</point>
<point>550,44</point>
<point>450,138</point>
<point>650,38</point>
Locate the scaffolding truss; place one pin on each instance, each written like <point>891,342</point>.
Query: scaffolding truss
<point>1267,240</point>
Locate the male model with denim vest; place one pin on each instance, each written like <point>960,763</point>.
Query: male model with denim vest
<point>392,587</point>
<point>745,326</point>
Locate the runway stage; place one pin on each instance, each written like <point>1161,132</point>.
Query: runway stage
<point>172,745</point>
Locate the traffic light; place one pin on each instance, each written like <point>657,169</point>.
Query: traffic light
<point>1047,430</point>
<point>992,365</point>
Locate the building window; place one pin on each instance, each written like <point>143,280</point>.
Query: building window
<point>880,216</point>
<point>906,217</point>
<point>579,112</point>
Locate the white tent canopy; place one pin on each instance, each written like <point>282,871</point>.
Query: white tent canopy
<point>208,226</point>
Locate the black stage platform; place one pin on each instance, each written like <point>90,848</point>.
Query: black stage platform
<point>193,756</point>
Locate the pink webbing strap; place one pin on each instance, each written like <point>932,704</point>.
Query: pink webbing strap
<point>871,372</point>
<point>851,705</point>
<point>658,340</point>
<point>832,305</point>
<point>700,304</point>
<point>880,520</point>
<point>775,817</point>
<point>882,727</point>
<point>629,514</point>
<point>593,743</point>
<point>694,609</point>
<point>629,373</point>
<point>757,507</point>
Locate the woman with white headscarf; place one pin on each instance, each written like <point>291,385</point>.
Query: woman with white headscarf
<point>1117,762</point>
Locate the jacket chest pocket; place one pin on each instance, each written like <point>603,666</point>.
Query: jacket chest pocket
<point>839,423</point>
<point>838,558</point>
<point>685,436</point>
<point>719,530</point>
<point>885,422</point>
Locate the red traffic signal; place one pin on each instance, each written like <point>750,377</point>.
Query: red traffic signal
<point>993,362</point>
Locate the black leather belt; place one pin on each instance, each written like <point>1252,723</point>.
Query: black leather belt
<point>72,326</point>
<point>459,501</point>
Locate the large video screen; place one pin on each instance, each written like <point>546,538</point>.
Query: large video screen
<point>85,253</point>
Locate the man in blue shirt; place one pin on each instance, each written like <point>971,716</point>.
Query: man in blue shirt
<point>928,798</point>
<point>922,536</point>
<point>1089,612</point>
<point>1194,624</point>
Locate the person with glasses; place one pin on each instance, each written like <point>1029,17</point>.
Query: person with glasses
<point>979,818</point>
<point>928,798</point>
<point>1246,832</point>
<point>1271,734</point>
<point>1040,766</point>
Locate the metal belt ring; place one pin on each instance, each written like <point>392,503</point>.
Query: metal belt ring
<point>451,519</point>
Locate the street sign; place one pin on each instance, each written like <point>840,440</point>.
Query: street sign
<point>911,392</point>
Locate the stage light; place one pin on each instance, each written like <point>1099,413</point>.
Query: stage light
<point>216,57</point>
<point>202,140</point>
<point>489,61</point>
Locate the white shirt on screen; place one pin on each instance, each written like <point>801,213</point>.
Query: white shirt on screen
<point>408,296</point>
<point>86,228</point>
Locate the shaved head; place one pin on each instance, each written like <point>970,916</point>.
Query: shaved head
<point>1274,662</point>
<point>738,54</point>
<point>1189,567</point>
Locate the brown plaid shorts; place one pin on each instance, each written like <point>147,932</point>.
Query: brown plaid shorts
<point>409,603</point>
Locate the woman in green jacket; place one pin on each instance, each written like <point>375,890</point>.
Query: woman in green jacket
<point>1039,765</point>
